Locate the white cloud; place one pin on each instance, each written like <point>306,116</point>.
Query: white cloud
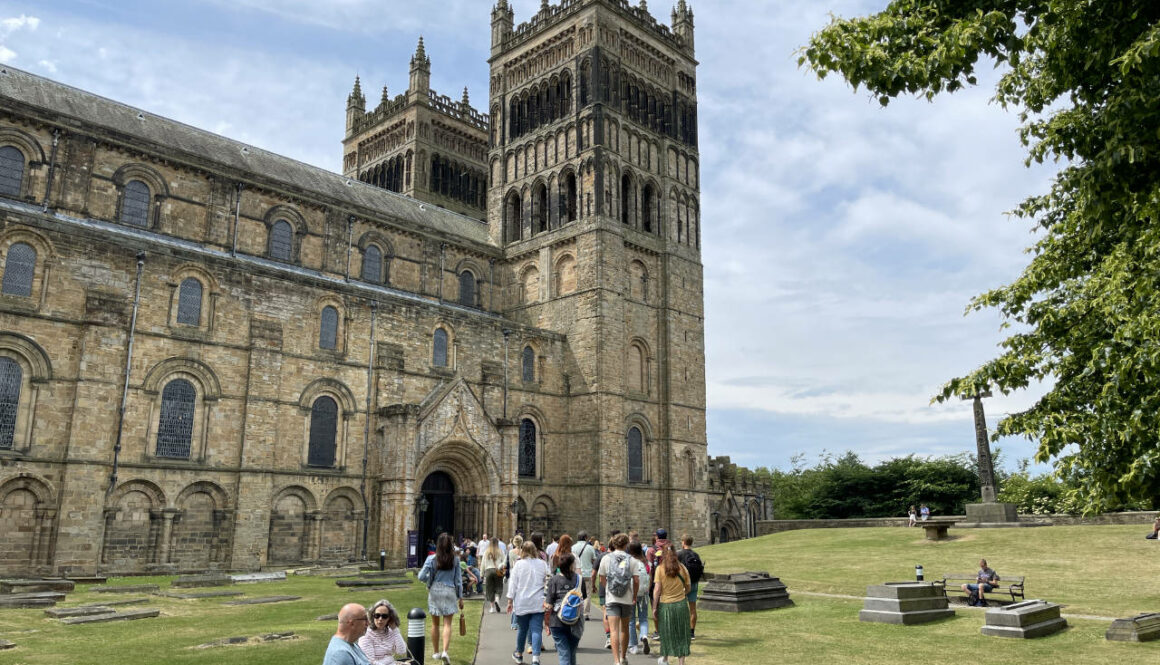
<point>7,55</point>
<point>13,24</point>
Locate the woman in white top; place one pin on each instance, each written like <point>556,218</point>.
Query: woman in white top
<point>492,562</point>
<point>526,601</point>
<point>382,641</point>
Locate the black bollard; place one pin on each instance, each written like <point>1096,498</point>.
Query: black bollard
<point>417,634</point>
<point>918,572</point>
<point>382,559</point>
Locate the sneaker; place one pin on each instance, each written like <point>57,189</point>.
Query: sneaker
<point>633,650</point>
<point>1151,536</point>
<point>435,657</point>
<point>446,658</point>
<point>692,635</point>
<point>662,661</point>
<point>982,603</point>
<point>535,661</point>
<point>496,603</point>
<point>518,657</point>
<point>607,642</point>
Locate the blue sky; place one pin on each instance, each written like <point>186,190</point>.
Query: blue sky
<point>841,241</point>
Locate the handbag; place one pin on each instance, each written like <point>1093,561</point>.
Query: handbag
<point>462,624</point>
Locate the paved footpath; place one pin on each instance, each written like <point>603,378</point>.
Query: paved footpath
<point>497,641</point>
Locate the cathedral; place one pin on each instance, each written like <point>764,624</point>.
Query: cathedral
<point>215,357</point>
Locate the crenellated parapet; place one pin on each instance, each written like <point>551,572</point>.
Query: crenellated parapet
<point>506,35</point>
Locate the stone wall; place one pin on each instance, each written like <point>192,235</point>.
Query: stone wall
<point>766,527</point>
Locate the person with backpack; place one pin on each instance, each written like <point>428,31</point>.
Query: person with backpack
<point>670,609</point>
<point>692,563</point>
<point>564,600</point>
<point>638,624</point>
<point>618,574</point>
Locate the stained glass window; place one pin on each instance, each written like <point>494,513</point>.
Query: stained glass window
<point>189,302</point>
<point>135,204</point>
<point>527,448</point>
<point>439,354</point>
<point>323,432</point>
<point>328,330</point>
<point>175,428</point>
<point>19,268</point>
<point>372,268</point>
<point>11,376</point>
<point>281,240</point>
<point>11,171</point>
<point>529,364</point>
<point>635,456</point>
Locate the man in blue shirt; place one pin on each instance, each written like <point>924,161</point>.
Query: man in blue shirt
<point>342,650</point>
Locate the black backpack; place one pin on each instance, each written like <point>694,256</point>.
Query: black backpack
<point>693,564</point>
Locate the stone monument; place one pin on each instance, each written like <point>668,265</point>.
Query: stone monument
<point>989,511</point>
<point>1028,619</point>
<point>743,592</point>
<point>1140,628</point>
<point>905,603</point>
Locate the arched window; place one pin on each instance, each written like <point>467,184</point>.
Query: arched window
<point>11,171</point>
<point>635,455</point>
<point>637,380</point>
<point>281,240</point>
<point>570,197</point>
<point>540,209</point>
<point>323,432</point>
<point>19,268</point>
<point>528,364</point>
<point>11,377</point>
<point>175,428</point>
<point>530,286</point>
<point>189,302</point>
<point>647,203</point>
<point>467,289</point>
<point>626,199</point>
<point>527,449</point>
<point>328,329</point>
<point>135,204</point>
<point>439,350</point>
<point>372,267</point>
<point>513,211</point>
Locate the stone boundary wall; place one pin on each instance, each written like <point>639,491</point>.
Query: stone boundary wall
<point>766,527</point>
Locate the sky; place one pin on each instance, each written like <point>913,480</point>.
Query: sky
<point>841,241</point>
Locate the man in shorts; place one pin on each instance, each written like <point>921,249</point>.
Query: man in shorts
<point>985,581</point>
<point>585,555</point>
<point>683,555</point>
<point>618,607</point>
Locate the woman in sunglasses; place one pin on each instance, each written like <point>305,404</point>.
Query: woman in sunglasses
<point>383,641</point>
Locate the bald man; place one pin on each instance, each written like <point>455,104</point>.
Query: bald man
<point>352,623</point>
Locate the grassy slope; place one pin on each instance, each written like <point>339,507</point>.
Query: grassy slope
<point>188,623</point>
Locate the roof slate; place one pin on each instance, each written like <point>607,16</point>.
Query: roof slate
<point>57,98</point>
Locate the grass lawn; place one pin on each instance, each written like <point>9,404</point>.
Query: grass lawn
<point>184,624</point>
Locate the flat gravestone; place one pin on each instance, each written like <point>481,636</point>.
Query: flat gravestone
<point>93,579</point>
<point>905,603</point>
<point>83,611</point>
<point>35,586</point>
<point>255,578</point>
<point>128,615</point>
<point>1028,619</point>
<point>30,600</point>
<point>5,644</point>
<point>1140,628</point>
<point>389,572</point>
<point>368,582</point>
<point>198,595</point>
<point>264,600</point>
<point>936,529</point>
<point>129,588</point>
<point>201,581</point>
<point>743,592</point>
<point>119,602</point>
<point>327,617</point>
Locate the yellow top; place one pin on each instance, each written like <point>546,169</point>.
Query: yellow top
<point>671,589</point>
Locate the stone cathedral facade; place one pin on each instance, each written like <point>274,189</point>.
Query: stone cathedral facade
<point>212,356</point>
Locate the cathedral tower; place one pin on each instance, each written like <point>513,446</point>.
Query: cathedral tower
<point>594,194</point>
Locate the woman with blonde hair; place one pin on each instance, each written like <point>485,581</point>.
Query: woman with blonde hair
<point>671,586</point>
<point>492,563</point>
<point>382,642</point>
<point>513,554</point>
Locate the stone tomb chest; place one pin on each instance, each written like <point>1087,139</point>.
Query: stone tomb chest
<point>1030,618</point>
<point>905,603</point>
<point>1140,628</point>
<point>743,592</point>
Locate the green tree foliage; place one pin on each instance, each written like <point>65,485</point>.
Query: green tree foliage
<point>846,487</point>
<point>1085,76</point>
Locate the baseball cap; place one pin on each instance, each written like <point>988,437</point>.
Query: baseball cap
<point>661,533</point>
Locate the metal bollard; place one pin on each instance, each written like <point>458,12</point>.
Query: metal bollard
<point>918,572</point>
<point>382,559</point>
<point>416,634</point>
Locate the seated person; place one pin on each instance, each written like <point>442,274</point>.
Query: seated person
<point>1155,529</point>
<point>985,581</point>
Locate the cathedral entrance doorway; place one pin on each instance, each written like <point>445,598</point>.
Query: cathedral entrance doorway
<point>439,495</point>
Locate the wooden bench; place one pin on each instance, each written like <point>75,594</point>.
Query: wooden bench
<point>1011,584</point>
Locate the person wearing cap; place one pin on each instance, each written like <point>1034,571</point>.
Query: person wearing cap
<point>382,642</point>
<point>659,545</point>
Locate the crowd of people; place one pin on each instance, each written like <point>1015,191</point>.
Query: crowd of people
<point>627,585</point>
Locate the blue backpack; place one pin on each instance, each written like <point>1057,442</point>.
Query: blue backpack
<point>571,605</point>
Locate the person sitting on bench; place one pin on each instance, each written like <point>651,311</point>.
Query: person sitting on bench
<point>985,581</point>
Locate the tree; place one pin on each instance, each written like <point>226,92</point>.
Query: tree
<point>1084,75</point>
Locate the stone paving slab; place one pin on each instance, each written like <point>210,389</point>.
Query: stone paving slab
<point>497,640</point>
<point>128,615</point>
<point>84,611</point>
<point>198,595</point>
<point>130,588</point>
<point>36,586</point>
<point>257,578</point>
<point>264,600</point>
